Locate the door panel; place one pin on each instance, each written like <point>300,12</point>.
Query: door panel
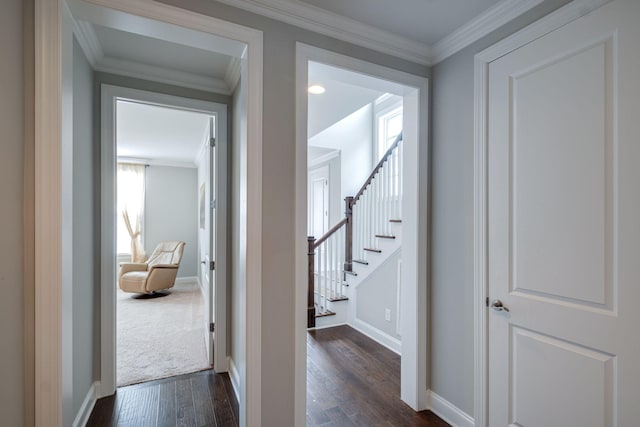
<point>563,234</point>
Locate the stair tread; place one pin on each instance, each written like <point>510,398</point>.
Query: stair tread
<point>338,298</point>
<point>373,250</point>
<point>325,313</point>
<point>385,236</point>
<point>361,261</point>
<point>350,273</point>
<point>395,220</point>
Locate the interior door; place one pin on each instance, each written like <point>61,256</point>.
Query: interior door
<point>208,243</point>
<point>563,226</point>
<point>319,201</point>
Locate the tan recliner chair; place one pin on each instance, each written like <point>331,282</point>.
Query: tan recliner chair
<point>159,272</point>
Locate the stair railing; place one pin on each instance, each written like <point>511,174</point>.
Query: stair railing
<point>376,204</point>
<point>326,257</point>
<point>367,216</point>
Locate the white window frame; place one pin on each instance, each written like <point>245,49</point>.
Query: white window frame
<point>384,108</point>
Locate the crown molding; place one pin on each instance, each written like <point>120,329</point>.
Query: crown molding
<point>232,75</point>
<point>480,26</point>
<point>88,41</point>
<point>330,24</point>
<point>127,67</point>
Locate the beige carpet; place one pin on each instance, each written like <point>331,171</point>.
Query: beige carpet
<point>160,337</point>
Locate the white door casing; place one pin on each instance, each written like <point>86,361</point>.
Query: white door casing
<point>563,239</point>
<point>318,201</point>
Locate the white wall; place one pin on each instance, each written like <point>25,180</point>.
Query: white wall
<point>452,217</point>
<point>379,292</point>
<point>11,214</point>
<point>85,230</point>
<point>353,136</point>
<point>171,212</point>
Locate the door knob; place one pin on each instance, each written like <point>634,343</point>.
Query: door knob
<point>203,262</point>
<point>498,306</point>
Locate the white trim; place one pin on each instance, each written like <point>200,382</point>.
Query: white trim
<point>187,279</point>
<point>377,335</point>
<point>483,24</point>
<point>129,68</point>
<point>88,41</point>
<point>549,23</point>
<point>232,75</point>
<point>333,325</point>
<point>234,376</point>
<point>415,326</point>
<point>330,24</point>
<point>323,158</point>
<point>87,406</point>
<point>48,228</point>
<point>448,411</point>
<point>157,162</point>
<point>90,44</point>
<point>109,96</point>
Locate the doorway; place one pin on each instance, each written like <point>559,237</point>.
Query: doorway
<point>165,184</point>
<point>413,301</point>
<point>209,184</point>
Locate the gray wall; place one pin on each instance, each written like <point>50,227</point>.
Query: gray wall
<point>11,219</point>
<point>452,216</point>
<point>171,212</point>
<point>86,228</point>
<point>278,192</point>
<point>379,292</point>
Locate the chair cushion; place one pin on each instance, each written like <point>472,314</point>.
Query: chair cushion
<point>166,253</point>
<point>134,281</point>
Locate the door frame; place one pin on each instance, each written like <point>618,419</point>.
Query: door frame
<point>414,372</point>
<point>549,23</point>
<point>108,313</point>
<point>52,194</point>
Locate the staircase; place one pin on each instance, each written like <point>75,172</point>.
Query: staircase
<point>355,247</point>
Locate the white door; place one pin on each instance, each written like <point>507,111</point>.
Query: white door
<point>213,243</point>
<point>564,226</point>
<point>207,239</point>
<point>318,202</point>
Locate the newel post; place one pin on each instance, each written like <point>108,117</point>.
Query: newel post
<point>311,308</point>
<point>348,240</point>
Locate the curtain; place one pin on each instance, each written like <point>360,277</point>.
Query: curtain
<point>131,179</point>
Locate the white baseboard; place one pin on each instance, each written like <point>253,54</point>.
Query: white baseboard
<point>448,411</point>
<point>377,335</point>
<point>315,328</point>
<point>234,375</point>
<point>87,406</point>
<point>187,279</point>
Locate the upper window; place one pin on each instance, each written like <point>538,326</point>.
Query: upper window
<point>388,114</point>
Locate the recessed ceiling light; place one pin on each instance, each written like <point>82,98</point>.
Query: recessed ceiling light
<point>316,89</point>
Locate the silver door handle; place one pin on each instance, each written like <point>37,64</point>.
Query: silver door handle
<point>498,306</point>
<point>203,262</point>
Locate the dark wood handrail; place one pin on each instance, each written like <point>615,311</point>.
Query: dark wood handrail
<point>378,167</point>
<point>328,234</point>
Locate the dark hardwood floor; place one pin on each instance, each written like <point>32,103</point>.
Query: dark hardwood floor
<point>351,381</point>
<point>199,399</point>
<point>354,381</point>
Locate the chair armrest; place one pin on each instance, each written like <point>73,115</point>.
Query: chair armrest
<point>126,267</point>
<point>174,266</point>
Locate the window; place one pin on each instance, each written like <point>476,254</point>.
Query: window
<point>388,115</point>
<point>130,199</point>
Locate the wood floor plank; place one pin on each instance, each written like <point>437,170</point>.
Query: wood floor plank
<point>167,407</point>
<point>203,405</point>
<point>222,408</point>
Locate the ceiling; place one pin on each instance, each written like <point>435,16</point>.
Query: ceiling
<point>159,134</point>
<point>425,21</point>
<point>422,31</point>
